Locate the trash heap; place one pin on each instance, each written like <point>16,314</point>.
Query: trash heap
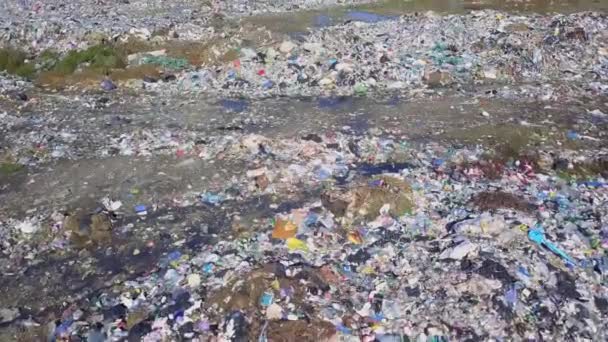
<point>395,241</point>
<point>181,173</point>
<point>402,55</point>
<point>539,57</point>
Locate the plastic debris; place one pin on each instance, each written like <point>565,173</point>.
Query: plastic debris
<point>27,227</point>
<point>537,235</point>
<point>246,170</point>
<point>107,85</point>
<point>141,210</point>
<point>211,198</point>
<point>296,245</point>
<point>266,299</point>
<point>284,229</point>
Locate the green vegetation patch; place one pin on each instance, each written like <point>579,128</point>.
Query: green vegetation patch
<point>99,57</point>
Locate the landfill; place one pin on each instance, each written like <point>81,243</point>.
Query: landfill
<point>303,171</point>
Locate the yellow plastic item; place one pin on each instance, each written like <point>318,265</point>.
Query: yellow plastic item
<point>355,237</point>
<point>523,227</point>
<point>296,244</point>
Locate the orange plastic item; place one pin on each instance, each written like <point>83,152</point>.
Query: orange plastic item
<point>284,229</point>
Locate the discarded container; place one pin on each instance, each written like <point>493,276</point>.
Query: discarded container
<point>141,210</point>
<point>537,235</point>
<point>266,299</point>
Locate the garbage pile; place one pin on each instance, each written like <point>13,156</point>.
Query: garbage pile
<point>265,6</point>
<point>380,193</point>
<point>60,25</point>
<point>503,51</point>
<point>397,241</point>
<point>431,51</point>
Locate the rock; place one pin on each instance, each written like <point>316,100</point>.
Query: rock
<point>8,315</point>
<point>287,46</point>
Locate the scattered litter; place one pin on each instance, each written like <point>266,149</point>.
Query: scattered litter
<point>340,182</point>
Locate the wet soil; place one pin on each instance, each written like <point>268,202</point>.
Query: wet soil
<point>72,185</point>
<point>491,201</point>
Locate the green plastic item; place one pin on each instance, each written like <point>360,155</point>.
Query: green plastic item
<point>440,47</point>
<point>360,89</point>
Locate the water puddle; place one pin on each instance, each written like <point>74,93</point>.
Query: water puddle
<point>335,102</point>
<point>235,105</point>
<point>368,169</point>
<point>366,17</point>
